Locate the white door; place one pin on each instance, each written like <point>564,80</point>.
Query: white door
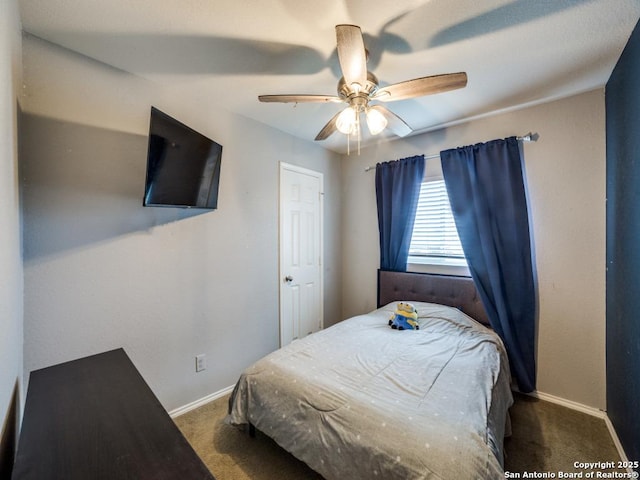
<point>300,252</point>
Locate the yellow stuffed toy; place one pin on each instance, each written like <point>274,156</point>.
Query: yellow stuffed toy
<point>405,317</point>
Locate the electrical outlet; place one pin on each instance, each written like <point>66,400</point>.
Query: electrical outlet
<point>201,362</point>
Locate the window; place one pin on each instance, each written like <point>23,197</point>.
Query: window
<point>435,241</point>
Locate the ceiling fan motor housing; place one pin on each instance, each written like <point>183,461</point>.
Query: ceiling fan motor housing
<point>358,96</point>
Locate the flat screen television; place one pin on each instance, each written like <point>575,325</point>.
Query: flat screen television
<point>183,166</point>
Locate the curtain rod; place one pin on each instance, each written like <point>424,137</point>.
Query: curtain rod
<point>529,137</point>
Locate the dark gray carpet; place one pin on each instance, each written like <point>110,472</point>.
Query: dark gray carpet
<point>550,438</point>
<point>546,438</point>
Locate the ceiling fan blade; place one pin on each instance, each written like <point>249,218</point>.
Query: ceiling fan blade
<point>421,86</point>
<point>299,98</point>
<point>329,128</point>
<point>352,54</point>
<point>394,122</point>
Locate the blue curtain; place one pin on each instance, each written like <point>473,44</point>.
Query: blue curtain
<point>397,192</point>
<point>486,190</point>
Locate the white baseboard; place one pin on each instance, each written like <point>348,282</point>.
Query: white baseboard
<point>595,412</point>
<point>589,411</point>
<point>616,441</point>
<point>201,402</point>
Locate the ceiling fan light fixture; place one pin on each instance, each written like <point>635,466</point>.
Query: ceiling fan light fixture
<point>357,87</point>
<point>376,122</point>
<point>346,121</point>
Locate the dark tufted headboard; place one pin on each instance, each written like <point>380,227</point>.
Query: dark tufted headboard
<point>459,292</point>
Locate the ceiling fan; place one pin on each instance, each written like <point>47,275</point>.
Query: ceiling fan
<point>359,87</point>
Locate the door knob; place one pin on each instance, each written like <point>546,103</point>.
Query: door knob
<point>288,279</point>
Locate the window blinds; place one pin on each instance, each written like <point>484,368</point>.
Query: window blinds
<point>434,231</point>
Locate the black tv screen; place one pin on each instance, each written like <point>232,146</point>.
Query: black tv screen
<point>183,166</point>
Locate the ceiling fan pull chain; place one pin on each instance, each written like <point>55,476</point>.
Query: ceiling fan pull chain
<point>358,130</point>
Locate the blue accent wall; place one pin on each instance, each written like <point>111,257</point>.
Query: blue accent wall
<point>623,247</point>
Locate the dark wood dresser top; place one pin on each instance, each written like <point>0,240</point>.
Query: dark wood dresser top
<point>96,418</point>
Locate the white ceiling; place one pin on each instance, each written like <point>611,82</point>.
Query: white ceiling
<point>515,52</point>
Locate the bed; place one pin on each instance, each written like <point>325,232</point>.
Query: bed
<point>360,400</point>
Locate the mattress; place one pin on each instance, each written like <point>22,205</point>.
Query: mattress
<point>360,400</point>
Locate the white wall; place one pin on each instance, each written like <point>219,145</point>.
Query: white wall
<point>11,339</point>
<point>565,172</point>
<point>103,272</point>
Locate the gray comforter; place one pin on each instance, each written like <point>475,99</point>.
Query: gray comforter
<point>360,400</point>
